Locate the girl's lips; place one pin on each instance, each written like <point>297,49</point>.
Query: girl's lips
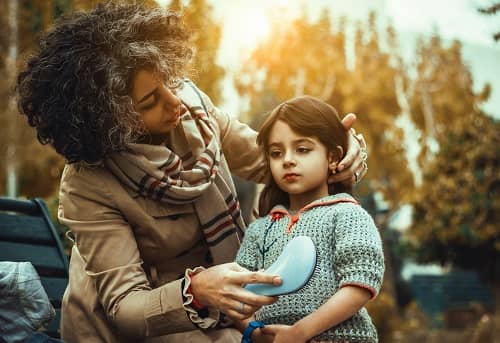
<point>291,177</point>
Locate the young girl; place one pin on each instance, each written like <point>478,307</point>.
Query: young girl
<point>303,140</point>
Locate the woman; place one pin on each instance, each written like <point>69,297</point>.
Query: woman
<point>147,191</point>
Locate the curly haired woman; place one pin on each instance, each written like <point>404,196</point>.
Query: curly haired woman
<point>147,191</point>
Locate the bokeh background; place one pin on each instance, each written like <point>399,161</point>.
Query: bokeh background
<point>423,78</point>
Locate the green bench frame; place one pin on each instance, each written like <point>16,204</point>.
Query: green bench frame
<point>27,234</point>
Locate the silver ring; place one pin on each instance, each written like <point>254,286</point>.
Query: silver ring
<point>242,307</point>
<point>364,154</point>
<point>360,174</point>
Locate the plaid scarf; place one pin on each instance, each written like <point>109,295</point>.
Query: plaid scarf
<point>191,170</point>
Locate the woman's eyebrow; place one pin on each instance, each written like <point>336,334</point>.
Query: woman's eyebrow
<point>147,96</point>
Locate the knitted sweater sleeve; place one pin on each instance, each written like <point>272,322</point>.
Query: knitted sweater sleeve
<point>248,252</point>
<point>358,258</point>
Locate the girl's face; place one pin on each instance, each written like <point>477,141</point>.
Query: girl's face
<point>158,105</point>
<point>299,165</point>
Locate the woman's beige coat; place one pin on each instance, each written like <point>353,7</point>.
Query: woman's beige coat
<point>131,253</point>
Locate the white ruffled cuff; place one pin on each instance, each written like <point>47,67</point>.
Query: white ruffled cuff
<point>213,315</point>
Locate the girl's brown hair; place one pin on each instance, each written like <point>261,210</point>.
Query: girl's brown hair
<point>309,117</point>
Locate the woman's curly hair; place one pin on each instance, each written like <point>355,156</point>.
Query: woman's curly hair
<point>75,89</point>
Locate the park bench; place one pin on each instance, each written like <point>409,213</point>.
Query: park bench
<point>27,234</point>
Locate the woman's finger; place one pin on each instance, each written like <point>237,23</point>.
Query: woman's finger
<point>240,310</point>
<point>243,308</point>
<point>252,299</point>
<point>353,153</point>
<point>254,277</point>
<point>235,291</point>
<point>259,277</point>
<point>348,174</point>
<point>349,120</point>
<point>241,276</point>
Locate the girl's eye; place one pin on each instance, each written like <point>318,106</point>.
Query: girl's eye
<point>303,150</point>
<point>275,154</point>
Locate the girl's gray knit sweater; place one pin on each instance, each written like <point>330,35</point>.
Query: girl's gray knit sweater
<point>349,252</point>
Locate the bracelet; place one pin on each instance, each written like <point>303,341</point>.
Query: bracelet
<point>247,334</point>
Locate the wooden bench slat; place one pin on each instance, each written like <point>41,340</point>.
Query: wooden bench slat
<point>43,258</point>
<point>27,234</point>
<point>23,228</point>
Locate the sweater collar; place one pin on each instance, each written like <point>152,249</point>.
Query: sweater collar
<point>280,211</point>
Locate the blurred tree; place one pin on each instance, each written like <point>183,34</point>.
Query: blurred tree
<point>204,70</point>
<point>4,34</point>
<point>371,94</point>
<point>8,65</point>
<point>4,46</point>
<point>456,212</point>
<point>296,59</point>
<point>19,143</point>
<point>3,91</point>
<point>442,93</point>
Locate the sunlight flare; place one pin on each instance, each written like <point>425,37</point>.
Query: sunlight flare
<point>250,28</point>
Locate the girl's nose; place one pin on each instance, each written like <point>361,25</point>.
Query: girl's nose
<point>288,160</point>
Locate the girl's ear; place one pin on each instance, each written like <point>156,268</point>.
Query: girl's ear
<point>334,157</point>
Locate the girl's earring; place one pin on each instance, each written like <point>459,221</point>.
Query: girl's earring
<point>333,167</point>
<point>332,162</point>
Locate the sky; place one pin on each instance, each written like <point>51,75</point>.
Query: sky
<point>244,22</point>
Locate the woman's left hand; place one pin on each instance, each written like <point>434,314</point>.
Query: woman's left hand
<point>221,286</point>
<point>352,167</point>
<point>284,333</point>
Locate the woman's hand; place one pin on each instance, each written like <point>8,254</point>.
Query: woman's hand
<point>221,287</point>
<point>352,167</point>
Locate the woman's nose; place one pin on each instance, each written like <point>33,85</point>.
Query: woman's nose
<point>171,100</point>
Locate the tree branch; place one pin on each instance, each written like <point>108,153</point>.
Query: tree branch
<point>493,9</point>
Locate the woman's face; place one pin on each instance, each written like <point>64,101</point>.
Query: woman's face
<point>158,105</point>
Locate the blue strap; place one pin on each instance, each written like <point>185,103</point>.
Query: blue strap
<point>247,334</point>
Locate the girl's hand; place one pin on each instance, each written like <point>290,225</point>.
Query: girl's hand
<point>284,333</point>
<point>352,167</point>
<point>259,337</point>
<point>221,287</point>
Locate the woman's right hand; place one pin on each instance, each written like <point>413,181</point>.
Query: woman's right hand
<point>221,286</point>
